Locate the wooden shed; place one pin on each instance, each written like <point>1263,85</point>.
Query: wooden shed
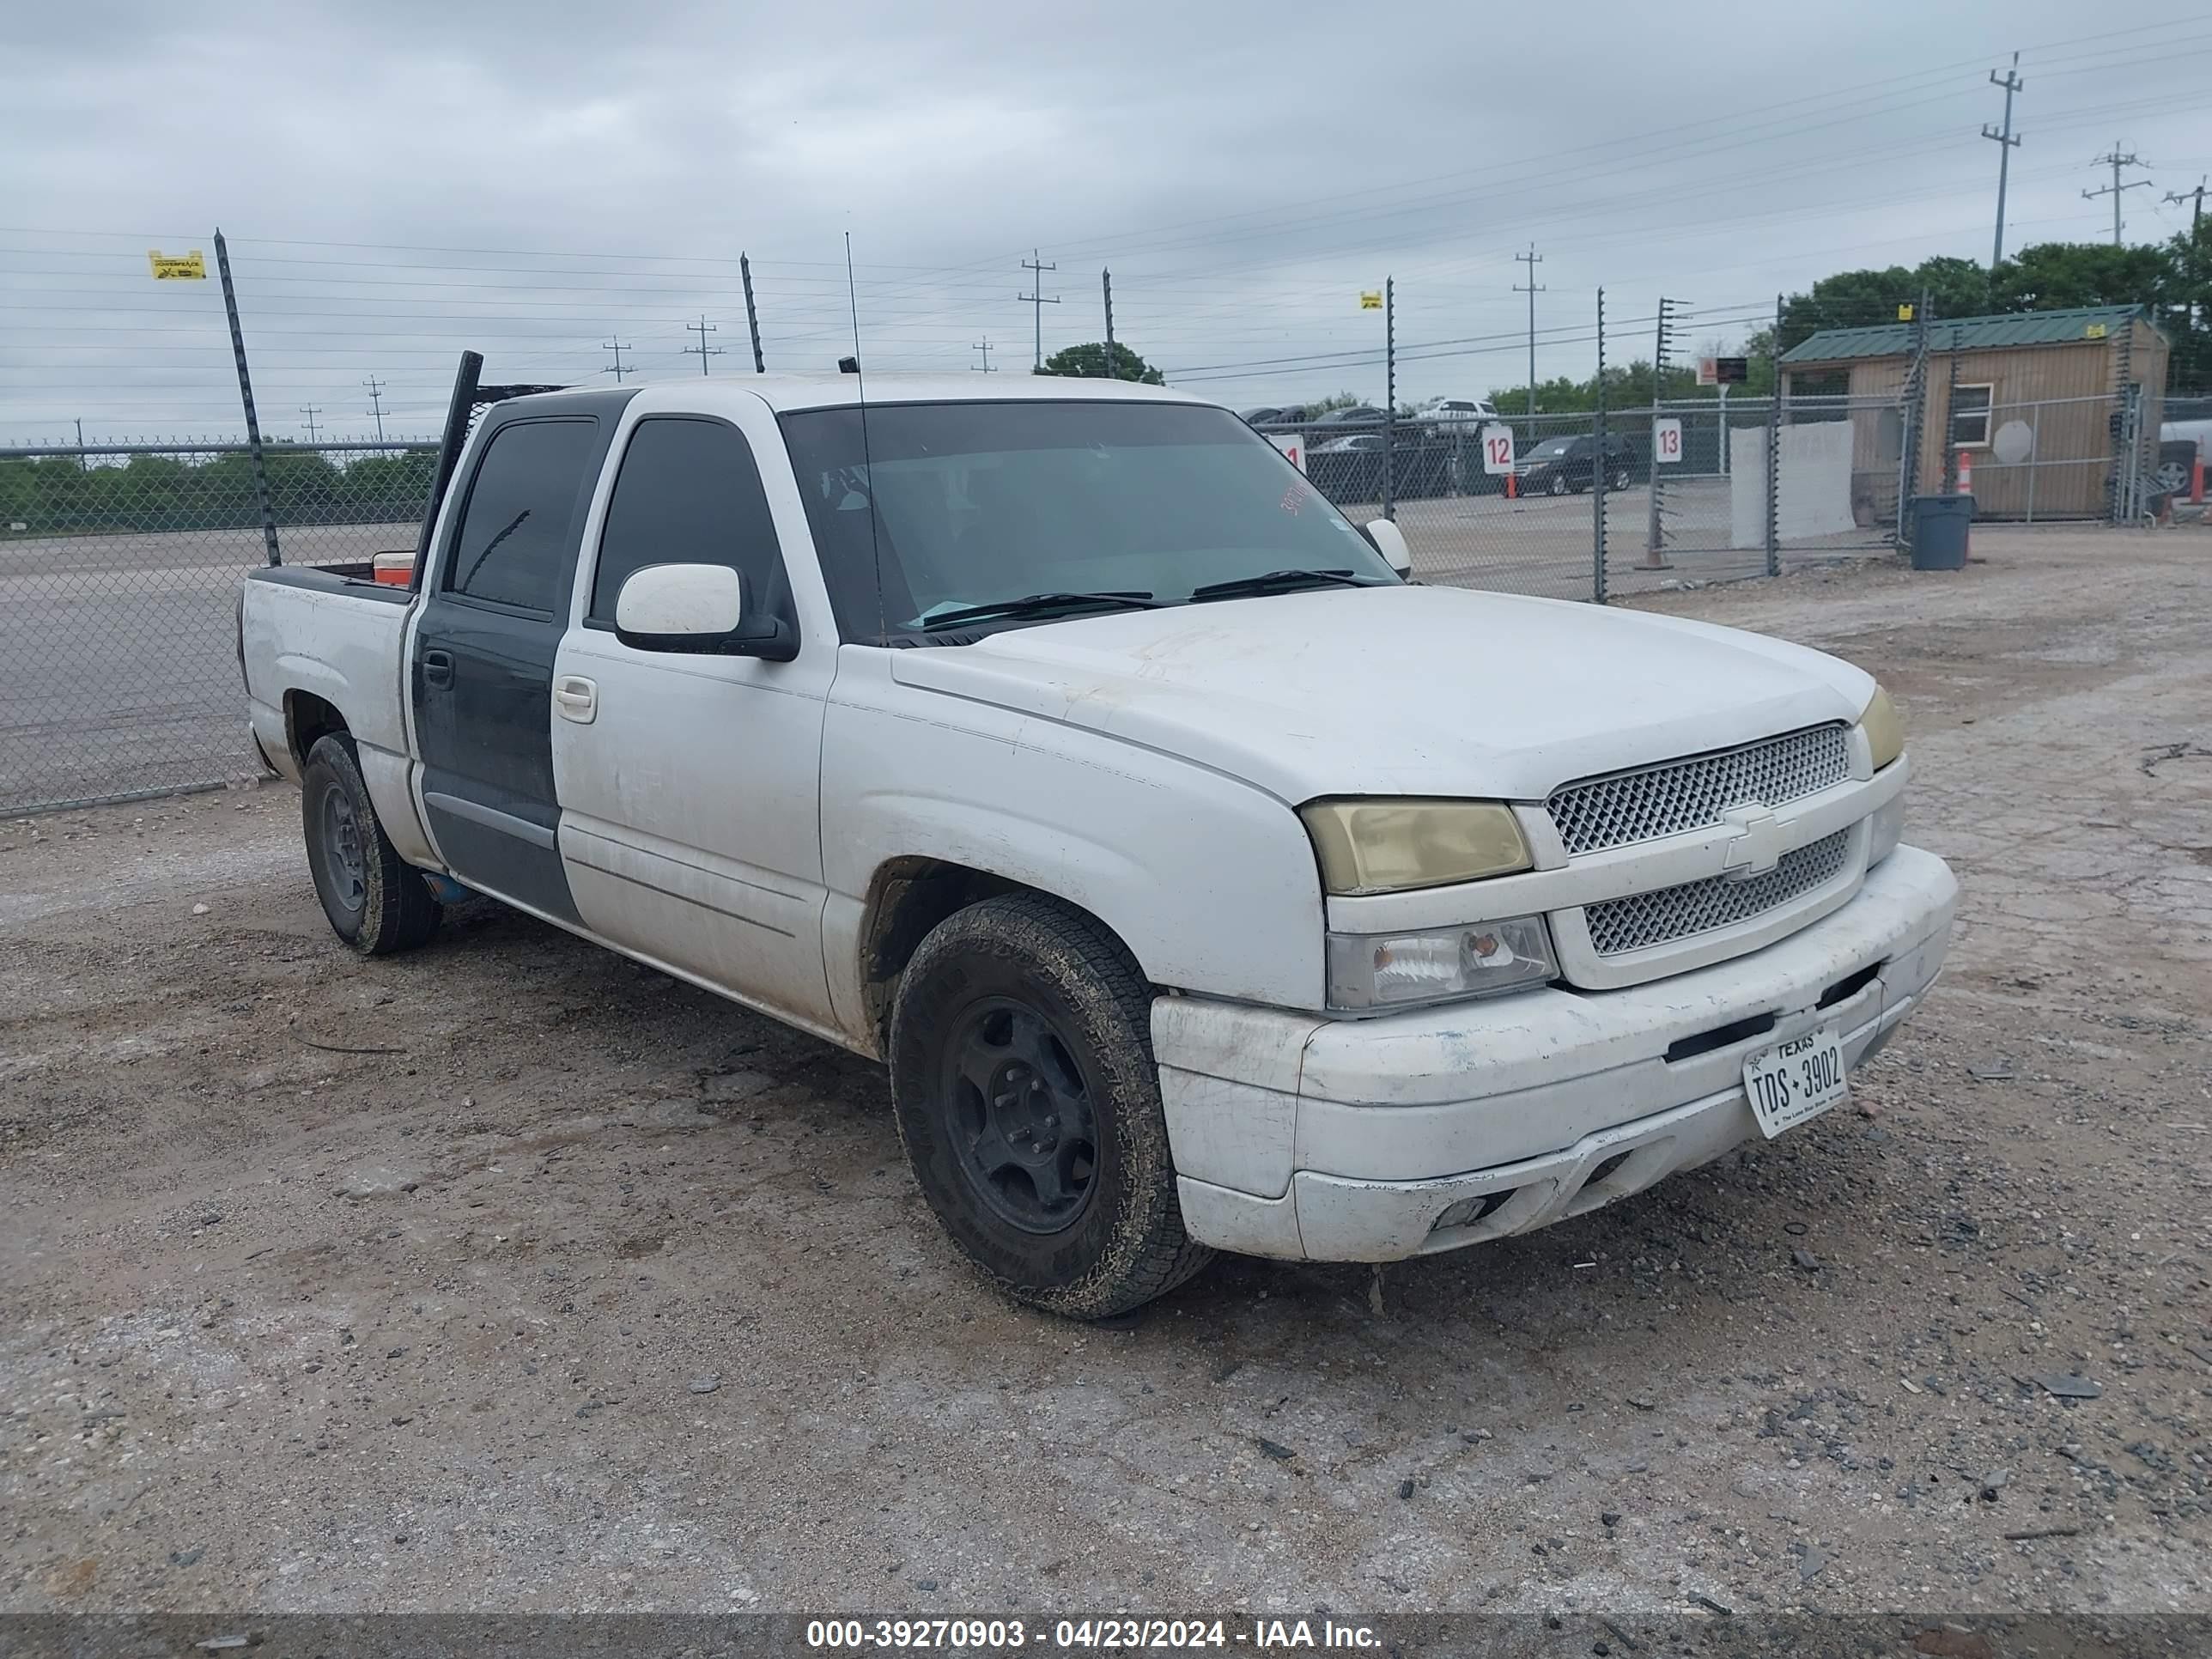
<point>2043,406</point>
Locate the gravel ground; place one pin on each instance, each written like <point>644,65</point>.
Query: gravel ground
<point>511,1275</point>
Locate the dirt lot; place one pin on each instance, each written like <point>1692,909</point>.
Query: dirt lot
<point>509,1274</point>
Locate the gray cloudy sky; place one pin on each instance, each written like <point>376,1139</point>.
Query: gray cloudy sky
<point>403,179</point>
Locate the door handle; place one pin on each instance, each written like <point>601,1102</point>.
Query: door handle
<point>437,668</point>
<point>577,698</point>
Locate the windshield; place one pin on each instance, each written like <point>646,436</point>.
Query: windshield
<point>987,503</point>
<point>1555,447</point>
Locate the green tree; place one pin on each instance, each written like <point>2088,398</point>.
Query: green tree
<point>1088,362</point>
<point>2054,276</point>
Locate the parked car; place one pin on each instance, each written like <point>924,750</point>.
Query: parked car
<point>1558,465</point>
<point>1032,742</point>
<point>1359,415</point>
<point>1288,415</point>
<point>1465,416</point>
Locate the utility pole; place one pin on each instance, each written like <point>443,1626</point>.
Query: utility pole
<point>310,411</point>
<point>2007,141</point>
<point>1532,259</point>
<point>80,445</point>
<point>752,317</point>
<point>985,367</point>
<point>1106,286</point>
<point>2195,242</point>
<point>1038,301</point>
<point>703,328</point>
<point>617,346</point>
<point>376,404</point>
<point>2115,160</point>
<point>2197,217</point>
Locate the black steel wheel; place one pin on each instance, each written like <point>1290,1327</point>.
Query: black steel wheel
<point>1557,486</point>
<point>1018,1113</point>
<point>375,901</point>
<point>1028,1103</point>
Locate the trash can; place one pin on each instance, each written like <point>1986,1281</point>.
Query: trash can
<point>1939,531</point>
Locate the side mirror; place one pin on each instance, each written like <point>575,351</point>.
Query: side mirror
<point>1391,542</point>
<point>703,609</point>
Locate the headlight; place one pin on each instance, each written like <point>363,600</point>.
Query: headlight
<point>1884,732</point>
<point>1385,846</point>
<point>1386,970</point>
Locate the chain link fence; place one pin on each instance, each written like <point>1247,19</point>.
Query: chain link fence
<point>119,573</point>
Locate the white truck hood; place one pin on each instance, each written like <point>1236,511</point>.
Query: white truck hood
<point>1400,690</point>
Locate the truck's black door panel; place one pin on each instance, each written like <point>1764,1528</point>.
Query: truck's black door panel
<point>495,607</point>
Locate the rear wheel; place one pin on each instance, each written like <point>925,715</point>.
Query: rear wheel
<point>375,901</point>
<point>1028,1103</point>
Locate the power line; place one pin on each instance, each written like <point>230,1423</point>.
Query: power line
<point>1532,259</point>
<point>2007,141</point>
<point>1038,301</point>
<point>984,367</point>
<point>617,346</point>
<point>2115,160</point>
<point>703,328</point>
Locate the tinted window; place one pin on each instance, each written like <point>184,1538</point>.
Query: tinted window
<point>688,493</point>
<point>938,507</point>
<point>514,545</point>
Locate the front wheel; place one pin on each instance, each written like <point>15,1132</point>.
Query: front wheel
<point>375,901</point>
<point>1557,486</point>
<point>1029,1102</point>
<point>1621,478</point>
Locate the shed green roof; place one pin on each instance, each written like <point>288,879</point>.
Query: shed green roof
<point>2018,328</point>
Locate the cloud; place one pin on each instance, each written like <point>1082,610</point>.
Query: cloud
<point>402,181</point>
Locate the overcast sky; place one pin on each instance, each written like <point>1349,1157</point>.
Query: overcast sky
<point>403,179</point>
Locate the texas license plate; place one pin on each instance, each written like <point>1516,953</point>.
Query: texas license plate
<point>1794,1080</point>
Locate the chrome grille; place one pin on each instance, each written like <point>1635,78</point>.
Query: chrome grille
<point>1692,793</point>
<point>1670,914</point>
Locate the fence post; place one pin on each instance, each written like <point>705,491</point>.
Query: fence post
<point>1106,289</point>
<point>245,396</point>
<point>1951,403</point>
<point>1916,423</point>
<point>1598,467</point>
<point>2121,504</point>
<point>1655,557</point>
<point>752,317</point>
<point>1389,394</point>
<point>1774,454</point>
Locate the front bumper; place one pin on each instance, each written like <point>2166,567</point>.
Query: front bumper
<point>1346,1140</point>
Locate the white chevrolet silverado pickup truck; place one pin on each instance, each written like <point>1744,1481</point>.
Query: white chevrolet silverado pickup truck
<point>1203,882</point>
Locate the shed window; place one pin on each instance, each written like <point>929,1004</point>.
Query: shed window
<point>1970,416</point>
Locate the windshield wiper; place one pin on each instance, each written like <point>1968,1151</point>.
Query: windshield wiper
<point>1278,582</point>
<point>1040,605</point>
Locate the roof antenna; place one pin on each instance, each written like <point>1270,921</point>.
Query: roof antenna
<point>851,365</point>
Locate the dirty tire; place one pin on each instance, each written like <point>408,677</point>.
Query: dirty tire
<point>1558,485</point>
<point>376,902</point>
<point>1013,976</point>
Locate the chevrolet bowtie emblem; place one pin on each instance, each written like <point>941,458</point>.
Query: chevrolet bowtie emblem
<point>1758,845</point>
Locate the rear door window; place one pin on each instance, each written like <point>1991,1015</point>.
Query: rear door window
<point>514,545</point>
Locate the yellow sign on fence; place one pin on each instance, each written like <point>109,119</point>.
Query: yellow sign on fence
<point>1371,299</point>
<point>177,267</point>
